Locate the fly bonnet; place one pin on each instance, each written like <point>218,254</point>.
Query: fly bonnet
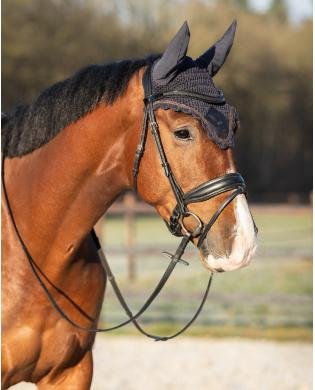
<point>174,71</point>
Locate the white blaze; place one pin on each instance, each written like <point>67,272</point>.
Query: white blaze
<point>244,242</point>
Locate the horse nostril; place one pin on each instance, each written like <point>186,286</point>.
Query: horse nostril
<point>220,242</point>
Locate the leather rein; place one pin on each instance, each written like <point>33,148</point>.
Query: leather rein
<point>229,182</point>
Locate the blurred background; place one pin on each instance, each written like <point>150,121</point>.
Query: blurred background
<point>268,77</point>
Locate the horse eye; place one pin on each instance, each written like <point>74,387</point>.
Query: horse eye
<point>183,134</point>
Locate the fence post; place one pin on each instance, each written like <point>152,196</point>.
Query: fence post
<point>129,203</point>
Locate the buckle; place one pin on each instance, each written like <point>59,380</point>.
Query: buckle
<point>152,98</point>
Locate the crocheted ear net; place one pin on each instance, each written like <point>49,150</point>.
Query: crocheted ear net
<point>218,121</point>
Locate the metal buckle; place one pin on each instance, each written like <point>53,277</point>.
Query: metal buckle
<point>186,232</point>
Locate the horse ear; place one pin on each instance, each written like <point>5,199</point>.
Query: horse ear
<point>175,52</point>
<point>215,57</point>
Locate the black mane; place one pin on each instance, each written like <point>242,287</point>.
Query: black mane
<point>28,127</point>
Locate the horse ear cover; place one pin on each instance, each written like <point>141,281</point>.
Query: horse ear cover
<point>175,71</point>
<point>215,57</point>
<point>175,52</point>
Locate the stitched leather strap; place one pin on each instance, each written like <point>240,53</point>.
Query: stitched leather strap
<point>214,187</point>
<point>133,318</point>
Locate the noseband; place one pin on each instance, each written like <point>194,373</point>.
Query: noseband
<point>176,224</point>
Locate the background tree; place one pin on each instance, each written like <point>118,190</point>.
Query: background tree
<point>268,75</point>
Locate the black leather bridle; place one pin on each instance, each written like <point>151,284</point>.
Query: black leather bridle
<point>205,191</point>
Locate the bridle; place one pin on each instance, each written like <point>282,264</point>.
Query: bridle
<point>205,191</point>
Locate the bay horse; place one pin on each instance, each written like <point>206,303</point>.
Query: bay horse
<point>69,154</point>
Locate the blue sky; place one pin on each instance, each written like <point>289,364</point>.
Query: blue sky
<point>298,9</point>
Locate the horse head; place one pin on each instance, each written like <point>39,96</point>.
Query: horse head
<point>196,127</point>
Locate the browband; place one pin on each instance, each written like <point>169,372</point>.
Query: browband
<point>190,94</point>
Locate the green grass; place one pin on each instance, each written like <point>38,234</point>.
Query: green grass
<point>283,233</point>
<point>272,298</point>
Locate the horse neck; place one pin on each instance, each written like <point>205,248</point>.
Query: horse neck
<point>59,191</point>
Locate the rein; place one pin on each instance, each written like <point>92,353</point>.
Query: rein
<point>176,225</point>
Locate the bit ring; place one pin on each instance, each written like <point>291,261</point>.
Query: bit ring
<point>185,229</point>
